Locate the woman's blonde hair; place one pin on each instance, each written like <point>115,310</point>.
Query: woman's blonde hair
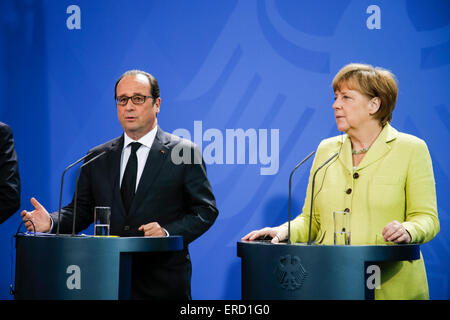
<point>371,82</point>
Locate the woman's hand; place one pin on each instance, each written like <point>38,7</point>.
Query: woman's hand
<point>396,232</point>
<point>277,234</point>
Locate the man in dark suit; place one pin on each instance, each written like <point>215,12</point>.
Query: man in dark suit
<point>9,174</point>
<point>149,191</point>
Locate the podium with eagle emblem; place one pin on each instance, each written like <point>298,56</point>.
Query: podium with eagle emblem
<point>315,272</point>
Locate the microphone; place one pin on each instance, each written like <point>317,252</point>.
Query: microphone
<point>312,194</point>
<point>76,189</point>
<point>290,183</point>
<point>62,183</point>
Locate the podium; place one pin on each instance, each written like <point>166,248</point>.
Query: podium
<point>314,272</point>
<point>80,267</point>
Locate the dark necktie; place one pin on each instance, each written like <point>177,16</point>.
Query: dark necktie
<point>128,188</point>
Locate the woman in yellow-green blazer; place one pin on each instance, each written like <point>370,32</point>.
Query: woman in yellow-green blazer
<point>383,177</point>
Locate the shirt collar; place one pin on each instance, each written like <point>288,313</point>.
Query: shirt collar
<point>146,140</point>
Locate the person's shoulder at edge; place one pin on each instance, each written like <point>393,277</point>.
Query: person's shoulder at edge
<point>5,129</point>
<point>332,142</point>
<point>174,140</point>
<point>106,145</point>
<point>405,141</point>
<point>410,139</point>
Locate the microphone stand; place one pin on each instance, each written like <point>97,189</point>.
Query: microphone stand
<point>312,195</point>
<point>62,183</point>
<point>290,183</point>
<point>76,189</point>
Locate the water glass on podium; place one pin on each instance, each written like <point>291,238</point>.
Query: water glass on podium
<point>342,232</point>
<point>102,221</point>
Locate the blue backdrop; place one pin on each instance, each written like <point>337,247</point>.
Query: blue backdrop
<point>261,66</point>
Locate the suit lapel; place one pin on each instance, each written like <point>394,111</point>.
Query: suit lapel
<point>380,147</point>
<point>156,157</point>
<point>114,157</point>
<point>345,156</point>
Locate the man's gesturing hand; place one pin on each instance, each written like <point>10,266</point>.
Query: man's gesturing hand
<point>39,218</point>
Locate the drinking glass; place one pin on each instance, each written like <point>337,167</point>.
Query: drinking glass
<point>341,220</point>
<point>102,221</point>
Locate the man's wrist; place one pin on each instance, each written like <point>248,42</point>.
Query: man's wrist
<point>51,225</point>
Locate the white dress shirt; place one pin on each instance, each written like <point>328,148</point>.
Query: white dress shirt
<point>141,153</point>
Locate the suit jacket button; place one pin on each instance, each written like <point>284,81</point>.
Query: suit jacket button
<point>348,191</point>
<point>126,228</point>
<point>356,175</point>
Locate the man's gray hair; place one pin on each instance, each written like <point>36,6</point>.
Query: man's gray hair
<point>154,86</point>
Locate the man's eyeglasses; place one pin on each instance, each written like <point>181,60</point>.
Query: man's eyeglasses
<point>136,99</point>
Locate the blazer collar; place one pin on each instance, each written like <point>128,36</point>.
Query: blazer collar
<point>115,155</point>
<point>378,149</point>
